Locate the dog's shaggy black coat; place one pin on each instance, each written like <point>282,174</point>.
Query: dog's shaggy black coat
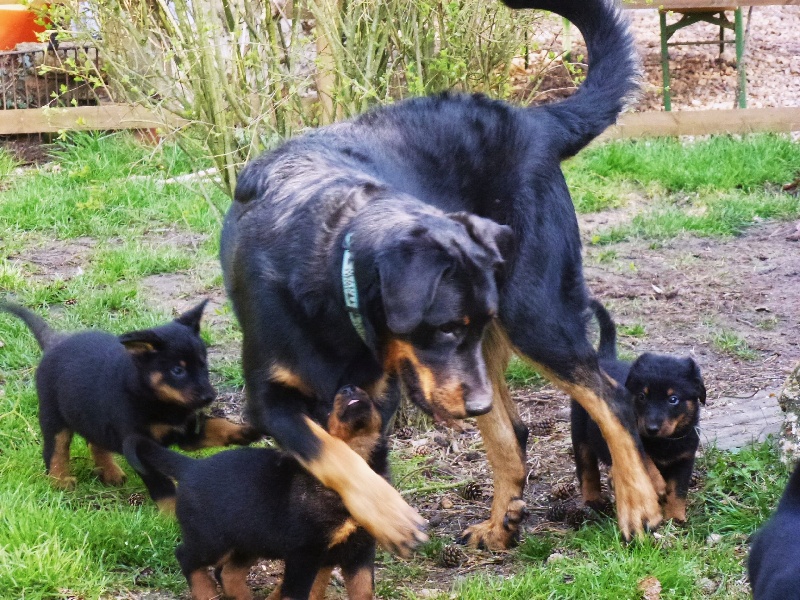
<point>105,387</point>
<point>458,217</point>
<point>667,393</point>
<point>242,505</point>
<point>773,565</point>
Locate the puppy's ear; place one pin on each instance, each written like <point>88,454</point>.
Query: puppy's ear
<point>191,318</point>
<point>142,342</point>
<point>694,374</point>
<point>409,280</point>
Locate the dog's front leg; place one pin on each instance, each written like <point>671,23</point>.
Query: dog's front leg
<point>369,498</point>
<point>504,437</point>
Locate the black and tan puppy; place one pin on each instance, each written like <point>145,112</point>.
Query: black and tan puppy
<point>105,387</point>
<point>773,566</point>
<point>242,505</point>
<point>414,248</point>
<point>667,393</point>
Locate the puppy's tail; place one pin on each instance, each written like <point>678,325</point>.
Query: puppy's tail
<point>607,349</point>
<point>146,456</point>
<point>44,334</point>
<point>612,78</point>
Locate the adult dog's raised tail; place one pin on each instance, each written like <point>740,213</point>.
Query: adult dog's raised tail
<point>612,77</point>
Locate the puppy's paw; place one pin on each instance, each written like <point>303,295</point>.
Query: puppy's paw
<point>245,435</point>
<point>497,534</point>
<point>111,475</point>
<point>64,482</point>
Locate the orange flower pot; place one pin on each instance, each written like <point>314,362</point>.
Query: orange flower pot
<point>17,24</point>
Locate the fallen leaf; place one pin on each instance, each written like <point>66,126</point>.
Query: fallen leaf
<point>650,588</point>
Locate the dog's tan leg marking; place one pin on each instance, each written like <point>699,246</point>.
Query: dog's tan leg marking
<point>369,498</point>
<point>591,490</point>
<point>321,584</point>
<point>166,505</point>
<point>637,501</point>
<point>59,463</point>
<point>659,485</point>
<point>360,585</point>
<point>343,532</point>
<point>202,585</point>
<point>109,471</point>
<point>234,581</point>
<point>287,378</point>
<point>675,506</point>
<point>505,456</point>
<point>221,432</point>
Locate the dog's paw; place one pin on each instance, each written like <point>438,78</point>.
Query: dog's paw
<point>638,509</point>
<point>166,506</point>
<point>497,534</point>
<point>387,517</point>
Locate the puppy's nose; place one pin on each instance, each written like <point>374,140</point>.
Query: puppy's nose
<point>653,428</point>
<point>208,395</point>
<point>348,390</point>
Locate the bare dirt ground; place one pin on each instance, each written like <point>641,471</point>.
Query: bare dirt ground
<point>684,293</point>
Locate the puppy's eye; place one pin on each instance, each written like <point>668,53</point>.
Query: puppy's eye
<point>674,400</point>
<point>178,371</point>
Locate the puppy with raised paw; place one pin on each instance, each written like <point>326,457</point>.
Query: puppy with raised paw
<point>106,387</point>
<point>242,505</point>
<point>667,393</point>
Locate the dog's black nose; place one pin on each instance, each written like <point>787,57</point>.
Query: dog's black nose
<point>653,428</point>
<point>348,390</point>
<point>478,404</point>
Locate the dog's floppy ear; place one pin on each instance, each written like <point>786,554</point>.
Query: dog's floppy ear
<point>695,375</point>
<point>498,239</point>
<point>191,318</point>
<point>409,280</point>
<point>141,342</point>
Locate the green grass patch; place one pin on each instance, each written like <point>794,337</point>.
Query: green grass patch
<point>521,374</point>
<point>7,164</point>
<point>734,344</point>
<point>717,163</point>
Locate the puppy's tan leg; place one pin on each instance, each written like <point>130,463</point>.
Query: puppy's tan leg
<point>675,506</point>
<point>321,584</point>
<point>360,584</point>
<point>109,472</point>
<point>637,501</point>
<point>504,436</point>
<point>221,432</point>
<point>234,581</point>
<point>659,485</point>
<point>202,585</point>
<point>59,470</point>
<point>369,498</point>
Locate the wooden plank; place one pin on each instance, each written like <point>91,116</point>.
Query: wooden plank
<point>735,422</point>
<point>104,117</point>
<point>696,4</point>
<point>704,122</point>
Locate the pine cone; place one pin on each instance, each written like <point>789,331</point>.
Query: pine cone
<point>543,427</point>
<point>423,450</point>
<point>404,433</point>
<point>136,499</point>
<point>563,491</point>
<point>578,515</point>
<point>451,556</point>
<point>558,512</point>
<point>472,491</point>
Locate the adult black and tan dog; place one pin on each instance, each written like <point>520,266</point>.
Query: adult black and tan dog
<point>773,566</point>
<point>105,387</point>
<point>415,247</point>
<point>242,505</point>
<point>667,393</point>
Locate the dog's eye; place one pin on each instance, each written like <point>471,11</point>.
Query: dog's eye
<point>178,371</point>
<point>674,400</point>
<point>454,327</point>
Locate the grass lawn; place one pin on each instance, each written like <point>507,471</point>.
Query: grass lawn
<point>101,202</point>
